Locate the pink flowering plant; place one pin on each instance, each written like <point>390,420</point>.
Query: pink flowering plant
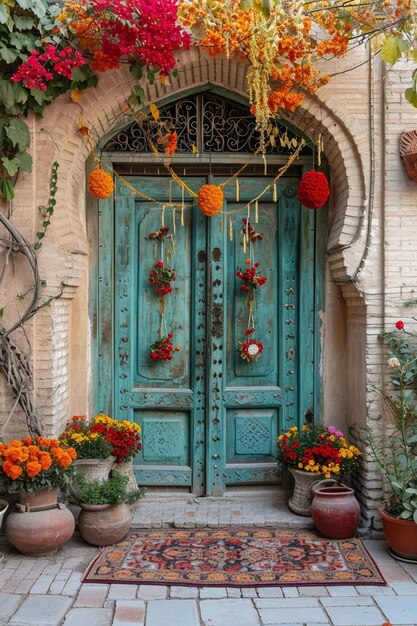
<point>396,456</point>
<point>319,449</point>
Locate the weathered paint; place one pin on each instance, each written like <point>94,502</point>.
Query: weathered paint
<point>208,418</point>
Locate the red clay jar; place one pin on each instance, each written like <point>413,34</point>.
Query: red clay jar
<point>335,512</point>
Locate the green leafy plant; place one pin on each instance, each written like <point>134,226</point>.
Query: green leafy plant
<point>14,140</point>
<point>111,491</point>
<point>396,459</point>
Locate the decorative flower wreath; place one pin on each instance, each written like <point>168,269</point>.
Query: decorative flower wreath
<point>210,199</point>
<point>313,189</point>
<point>162,349</point>
<point>161,276</point>
<point>250,349</point>
<point>100,184</point>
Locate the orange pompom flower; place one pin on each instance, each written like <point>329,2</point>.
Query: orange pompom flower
<point>100,184</point>
<point>210,199</point>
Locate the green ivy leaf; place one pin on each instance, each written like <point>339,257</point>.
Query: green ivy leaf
<point>8,54</point>
<point>136,70</point>
<point>23,22</point>
<point>139,93</point>
<point>11,165</point>
<point>4,14</point>
<point>390,52</point>
<point>37,245</point>
<point>25,161</point>
<point>18,133</point>
<point>6,188</point>
<point>411,96</point>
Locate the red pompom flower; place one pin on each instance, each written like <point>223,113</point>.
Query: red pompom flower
<point>399,325</point>
<point>313,189</point>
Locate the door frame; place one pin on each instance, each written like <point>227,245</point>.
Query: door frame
<point>100,223</point>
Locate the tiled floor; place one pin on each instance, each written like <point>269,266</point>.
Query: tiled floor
<point>47,591</point>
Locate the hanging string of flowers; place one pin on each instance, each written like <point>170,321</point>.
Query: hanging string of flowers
<point>250,348</point>
<point>161,278</point>
<point>282,40</point>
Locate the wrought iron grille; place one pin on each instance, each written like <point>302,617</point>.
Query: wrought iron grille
<point>205,123</point>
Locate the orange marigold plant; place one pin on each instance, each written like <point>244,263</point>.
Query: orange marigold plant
<point>35,463</point>
<point>100,184</point>
<point>210,199</point>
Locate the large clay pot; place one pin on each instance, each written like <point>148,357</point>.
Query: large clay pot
<point>38,527</point>
<point>300,501</point>
<point>335,511</point>
<point>104,524</point>
<point>401,536</point>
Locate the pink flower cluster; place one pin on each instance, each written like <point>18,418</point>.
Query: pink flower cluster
<point>112,29</point>
<point>39,69</point>
<point>159,34</point>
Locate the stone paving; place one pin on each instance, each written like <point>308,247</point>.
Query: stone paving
<point>47,591</point>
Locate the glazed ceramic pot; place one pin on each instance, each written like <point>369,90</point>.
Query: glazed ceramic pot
<point>104,524</point>
<point>401,536</point>
<point>335,511</point>
<point>39,525</point>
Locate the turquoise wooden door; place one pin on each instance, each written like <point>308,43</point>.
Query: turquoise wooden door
<point>209,419</point>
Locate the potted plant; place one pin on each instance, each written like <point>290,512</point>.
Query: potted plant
<point>35,468</point>
<point>105,516</point>
<point>124,438</point>
<point>94,453</point>
<point>314,453</point>
<point>396,458</point>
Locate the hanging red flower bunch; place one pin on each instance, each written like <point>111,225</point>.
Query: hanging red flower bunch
<point>313,189</point>
<point>161,276</point>
<point>162,349</point>
<point>250,277</point>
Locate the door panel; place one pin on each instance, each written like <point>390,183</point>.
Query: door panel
<point>209,419</point>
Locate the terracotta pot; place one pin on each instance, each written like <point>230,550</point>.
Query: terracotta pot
<point>104,524</point>
<point>300,501</point>
<point>335,511</point>
<point>38,500</point>
<point>37,528</point>
<point>401,536</point>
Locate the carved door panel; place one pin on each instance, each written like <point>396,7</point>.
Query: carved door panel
<point>209,419</point>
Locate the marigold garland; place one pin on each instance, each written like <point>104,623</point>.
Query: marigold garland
<point>210,199</point>
<point>100,184</point>
<point>313,189</point>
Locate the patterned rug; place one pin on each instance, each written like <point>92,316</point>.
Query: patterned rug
<point>233,558</point>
